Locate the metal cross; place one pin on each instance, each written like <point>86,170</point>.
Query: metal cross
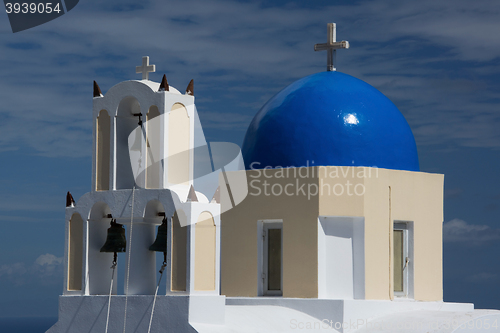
<point>331,46</point>
<point>146,68</point>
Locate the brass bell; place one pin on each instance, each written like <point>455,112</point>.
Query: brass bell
<point>116,240</point>
<point>160,244</point>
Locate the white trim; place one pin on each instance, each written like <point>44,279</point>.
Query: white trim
<point>408,272</point>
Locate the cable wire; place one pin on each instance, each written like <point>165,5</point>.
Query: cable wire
<point>129,252</point>
<point>110,291</point>
<point>156,293</point>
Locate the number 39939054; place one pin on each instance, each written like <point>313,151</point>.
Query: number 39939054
<point>32,8</point>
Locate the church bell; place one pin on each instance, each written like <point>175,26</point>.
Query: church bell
<point>116,241</point>
<point>160,244</point>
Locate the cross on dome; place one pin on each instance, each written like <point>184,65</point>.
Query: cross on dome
<point>331,46</point>
<point>146,68</point>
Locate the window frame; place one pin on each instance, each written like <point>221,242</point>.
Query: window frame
<point>407,228</point>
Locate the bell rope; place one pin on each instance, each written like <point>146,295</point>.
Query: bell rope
<point>156,292</point>
<point>111,290</point>
<point>129,252</point>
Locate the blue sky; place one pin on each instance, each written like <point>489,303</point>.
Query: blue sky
<point>438,61</point>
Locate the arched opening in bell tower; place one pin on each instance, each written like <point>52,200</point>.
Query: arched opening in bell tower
<point>153,144</point>
<point>204,269</point>
<point>178,145</point>
<point>154,215</point>
<point>127,120</point>
<point>103,151</point>
<point>179,252</point>
<point>99,272</point>
<point>75,252</point>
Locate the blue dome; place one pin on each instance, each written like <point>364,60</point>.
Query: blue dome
<point>330,118</point>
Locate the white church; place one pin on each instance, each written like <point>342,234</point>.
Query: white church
<point>322,222</point>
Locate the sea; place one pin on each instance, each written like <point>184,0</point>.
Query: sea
<point>26,324</point>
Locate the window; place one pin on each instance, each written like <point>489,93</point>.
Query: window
<point>271,261</point>
<point>403,259</point>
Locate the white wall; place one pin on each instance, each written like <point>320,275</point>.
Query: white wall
<point>340,257</point>
<point>142,272</point>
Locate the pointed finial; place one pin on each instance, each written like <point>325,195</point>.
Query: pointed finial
<point>190,88</point>
<point>216,197</point>
<point>192,195</point>
<point>164,84</point>
<point>97,90</point>
<point>70,202</point>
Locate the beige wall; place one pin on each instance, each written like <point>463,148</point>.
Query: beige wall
<point>414,196</point>
<point>337,191</point>
<point>178,145</point>
<point>378,229</point>
<point>429,240</point>
<point>204,266</point>
<point>239,270</point>
<point>178,255</point>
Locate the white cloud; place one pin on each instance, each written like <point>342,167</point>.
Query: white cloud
<point>482,277</point>
<point>224,120</point>
<point>12,270</point>
<point>232,47</point>
<point>459,231</point>
<point>453,193</point>
<point>47,269</point>
<point>48,260</point>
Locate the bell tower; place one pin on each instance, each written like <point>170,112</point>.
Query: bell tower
<point>142,184</point>
<point>143,135</point>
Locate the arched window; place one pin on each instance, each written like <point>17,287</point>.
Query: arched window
<point>102,151</point>
<point>75,252</point>
<point>178,145</point>
<point>204,278</point>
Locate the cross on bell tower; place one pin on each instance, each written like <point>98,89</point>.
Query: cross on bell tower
<point>331,46</point>
<point>145,69</point>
